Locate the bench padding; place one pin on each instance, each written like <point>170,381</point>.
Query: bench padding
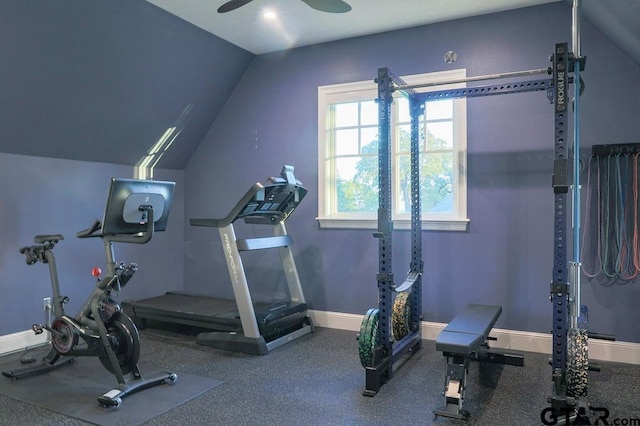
<point>469,329</point>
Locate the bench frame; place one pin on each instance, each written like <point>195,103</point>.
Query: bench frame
<point>463,340</point>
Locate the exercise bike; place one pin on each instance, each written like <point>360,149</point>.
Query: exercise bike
<point>100,328</point>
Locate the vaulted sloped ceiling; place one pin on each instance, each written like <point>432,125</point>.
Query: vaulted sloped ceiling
<point>104,80</point>
<point>618,20</point>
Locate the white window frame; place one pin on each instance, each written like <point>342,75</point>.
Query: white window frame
<point>367,90</point>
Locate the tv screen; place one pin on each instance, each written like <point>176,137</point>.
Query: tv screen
<point>122,214</point>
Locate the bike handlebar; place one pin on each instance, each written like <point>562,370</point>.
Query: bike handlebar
<point>35,253</point>
<point>139,238</point>
<point>89,232</point>
<point>142,237</point>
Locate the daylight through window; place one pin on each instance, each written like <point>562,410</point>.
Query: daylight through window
<point>348,157</point>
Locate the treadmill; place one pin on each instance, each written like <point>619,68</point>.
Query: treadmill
<point>242,325</point>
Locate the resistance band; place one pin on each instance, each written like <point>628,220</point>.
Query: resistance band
<point>616,255</point>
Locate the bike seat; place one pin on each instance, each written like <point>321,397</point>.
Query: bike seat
<point>39,239</point>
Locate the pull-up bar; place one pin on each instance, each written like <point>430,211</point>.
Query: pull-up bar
<point>478,78</point>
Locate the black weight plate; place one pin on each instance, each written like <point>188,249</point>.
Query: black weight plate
<point>368,337</point>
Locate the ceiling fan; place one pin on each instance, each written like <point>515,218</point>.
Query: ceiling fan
<point>330,6</point>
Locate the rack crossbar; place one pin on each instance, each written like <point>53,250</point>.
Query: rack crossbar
<point>496,89</point>
<point>476,78</point>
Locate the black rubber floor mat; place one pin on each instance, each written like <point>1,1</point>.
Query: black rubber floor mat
<point>73,390</point>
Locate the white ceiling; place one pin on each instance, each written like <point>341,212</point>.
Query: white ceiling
<point>299,25</point>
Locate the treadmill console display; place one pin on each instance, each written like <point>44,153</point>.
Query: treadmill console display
<point>275,201</point>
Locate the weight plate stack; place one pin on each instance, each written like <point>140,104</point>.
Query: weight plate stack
<point>401,315</point>
<point>368,337</point>
<point>577,362</point>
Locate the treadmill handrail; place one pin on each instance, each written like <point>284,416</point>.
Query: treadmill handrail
<point>258,216</point>
<point>233,214</point>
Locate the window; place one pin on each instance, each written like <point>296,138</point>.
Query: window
<point>348,156</point>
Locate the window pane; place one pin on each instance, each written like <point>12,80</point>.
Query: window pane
<point>403,109</point>
<point>346,167</point>
<point>436,183</point>
<point>347,142</point>
<point>369,140</point>
<point>403,184</point>
<point>440,135</point>
<point>346,114</point>
<point>357,184</point>
<point>438,110</point>
<point>404,138</point>
<point>369,113</point>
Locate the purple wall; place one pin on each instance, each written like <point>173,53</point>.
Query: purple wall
<point>52,196</point>
<point>505,256</point>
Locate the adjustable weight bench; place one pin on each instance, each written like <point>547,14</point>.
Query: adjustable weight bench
<point>464,339</point>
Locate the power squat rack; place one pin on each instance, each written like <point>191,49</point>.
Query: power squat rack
<point>400,307</point>
<point>392,331</point>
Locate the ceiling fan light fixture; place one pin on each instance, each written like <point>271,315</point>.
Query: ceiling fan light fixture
<point>232,5</point>
<point>329,6</point>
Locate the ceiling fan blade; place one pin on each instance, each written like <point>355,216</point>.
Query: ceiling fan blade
<point>232,5</point>
<point>330,6</point>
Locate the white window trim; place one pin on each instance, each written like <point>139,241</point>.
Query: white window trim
<point>366,90</point>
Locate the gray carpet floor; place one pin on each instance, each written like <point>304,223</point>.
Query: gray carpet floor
<point>318,380</point>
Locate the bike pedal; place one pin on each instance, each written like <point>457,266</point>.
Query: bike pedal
<point>37,328</point>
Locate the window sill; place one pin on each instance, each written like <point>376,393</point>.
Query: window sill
<point>453,224</point>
